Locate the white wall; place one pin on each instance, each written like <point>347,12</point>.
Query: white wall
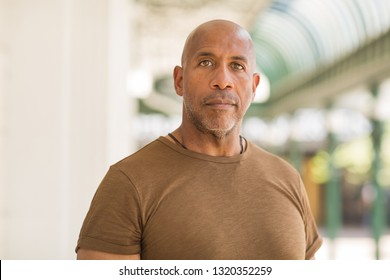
<point>64,117</point>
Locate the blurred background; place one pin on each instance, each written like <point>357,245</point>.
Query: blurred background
<point>84,83</point>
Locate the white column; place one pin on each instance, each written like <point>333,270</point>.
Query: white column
<point>65,118</point>
<point>2,126</point>
<point>120,110</point>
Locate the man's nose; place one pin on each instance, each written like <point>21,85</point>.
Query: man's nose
<point>221,78</point>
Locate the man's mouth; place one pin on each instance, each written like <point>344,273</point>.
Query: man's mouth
<point>222,104</point>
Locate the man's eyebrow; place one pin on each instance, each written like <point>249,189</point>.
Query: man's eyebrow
<point>240,58</point>
<point>234,57</point>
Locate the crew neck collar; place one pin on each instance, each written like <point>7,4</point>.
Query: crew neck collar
<point>220,159</point>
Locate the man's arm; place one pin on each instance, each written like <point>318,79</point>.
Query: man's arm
<point>85,254</point>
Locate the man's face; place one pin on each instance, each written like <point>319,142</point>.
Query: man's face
<point>217,81</point>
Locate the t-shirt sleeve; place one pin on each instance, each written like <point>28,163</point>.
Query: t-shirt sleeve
<point>313,238</point>
<point>113,223</point>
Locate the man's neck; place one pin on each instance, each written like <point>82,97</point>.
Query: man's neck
<point>230,144</point>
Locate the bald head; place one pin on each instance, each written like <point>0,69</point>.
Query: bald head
<point>218,32</point>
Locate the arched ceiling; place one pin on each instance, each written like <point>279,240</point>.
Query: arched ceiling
<point>298,36</point>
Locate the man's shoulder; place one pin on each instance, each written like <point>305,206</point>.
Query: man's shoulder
<point>151,152</point>
<point>270,159</point>
<point>258,151</point>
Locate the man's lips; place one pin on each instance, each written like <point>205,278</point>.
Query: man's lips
<point>223,100</point>
<point>220,103</point>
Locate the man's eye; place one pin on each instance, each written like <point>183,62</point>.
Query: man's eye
<point>237,66</point>
<point>205,63</point>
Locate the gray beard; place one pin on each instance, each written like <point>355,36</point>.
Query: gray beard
<point>205,127</point>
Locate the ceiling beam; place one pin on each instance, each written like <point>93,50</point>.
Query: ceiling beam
<point>367,65</point>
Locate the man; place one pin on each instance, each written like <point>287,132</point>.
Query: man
<point>203,191</point>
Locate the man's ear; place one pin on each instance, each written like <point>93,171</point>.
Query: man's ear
<point>178,80</point>
<point>255,84</point>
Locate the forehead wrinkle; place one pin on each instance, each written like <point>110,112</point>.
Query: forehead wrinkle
<point>204,53</point>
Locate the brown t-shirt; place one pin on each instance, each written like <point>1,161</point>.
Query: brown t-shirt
<point>166,202</point>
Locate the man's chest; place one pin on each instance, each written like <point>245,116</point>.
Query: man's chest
<point>223,223</point>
